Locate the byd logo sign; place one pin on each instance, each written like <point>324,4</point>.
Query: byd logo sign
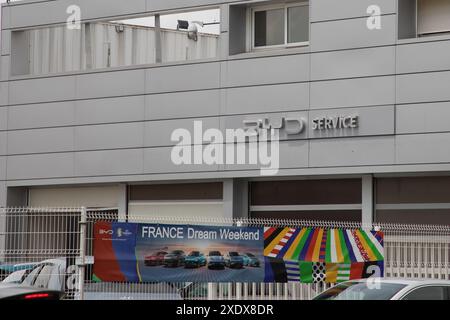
<point>291,126</point>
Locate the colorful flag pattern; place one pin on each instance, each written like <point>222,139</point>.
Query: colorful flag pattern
<point>324,255</point>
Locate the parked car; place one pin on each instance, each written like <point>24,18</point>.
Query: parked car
<point>250,260</point>
<point>7,270</point>
<point>174,259</point>
<point>29,293</point>
<point>216,260</point>
<point>388,289</point>
<point>195,259</point>
<point>155,259</point>
<point>234,261</point>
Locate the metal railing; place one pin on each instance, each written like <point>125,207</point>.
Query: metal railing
<point>64,236</point>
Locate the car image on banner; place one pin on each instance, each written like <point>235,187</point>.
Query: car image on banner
<point>132,252</point>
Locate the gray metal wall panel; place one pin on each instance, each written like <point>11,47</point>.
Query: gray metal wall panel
<point>41,115</point>
<point>43,166</point>
<point>157,160</point>
<point>293,154</point>
<point>42,90</point>
<point>423,148</point>
<point>4,67</point>
<point>183,77</point>
<point>2,191</point>
<point>55,11</point>
<point>353,92</point>
<point>3,118</point>
<point>182,104</point>
<point>3,93</point>
<point>423,87</point>
<point>288,97</point>
<point>343,9</point>
<point>352,152</point>
<point>352,33</point>
<point>120,109</point>
<point>109,136</point>
<point>6,42</point>
<point>424,117</point>
<point>110,162</point>
<point>426,56</point>
<point>158,133</point>
<point>2,168</point>
<point>372,121</point>
<point>40,140</point>
<point>281,69</point>
<point>3,143</point>
<point>106,84</point>
<point>353,63</point>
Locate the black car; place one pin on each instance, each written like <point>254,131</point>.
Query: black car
<point>174,259</point>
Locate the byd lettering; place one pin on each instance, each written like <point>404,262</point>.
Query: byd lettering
<point>291,126</point>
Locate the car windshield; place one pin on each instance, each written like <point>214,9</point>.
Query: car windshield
<point>177,252</point>
<point>234,254</point>
<point>215,253</point>
<point>194,254</point>
<point>250,255</point>
<point>361,291</point>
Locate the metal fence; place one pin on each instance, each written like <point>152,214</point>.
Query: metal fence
<point>58,243</point>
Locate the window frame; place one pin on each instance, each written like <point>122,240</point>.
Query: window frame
<point>285,7</point>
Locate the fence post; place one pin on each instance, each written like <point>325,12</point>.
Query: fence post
<point>82,262</point>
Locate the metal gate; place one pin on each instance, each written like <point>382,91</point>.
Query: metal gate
<point>57,245</point>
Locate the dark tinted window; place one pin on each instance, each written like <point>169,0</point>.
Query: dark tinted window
<point>215,253</point>
<point>361,291</point>
<point>428,293</point>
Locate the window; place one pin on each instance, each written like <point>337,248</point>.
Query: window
<point>143,40</point>
<point>413,200</point>
<point>433,16</point>
<point>427,293</point>
<point>329,200</point>
<point>419,18</point>
<point>280,25</point>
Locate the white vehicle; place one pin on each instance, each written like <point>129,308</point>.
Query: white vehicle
<point>388,289</point>
<point>53,274</point>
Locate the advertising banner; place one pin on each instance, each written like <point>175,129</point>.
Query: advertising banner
<point>175,253</point>
<point>311,255</point>
<point>125,252</point>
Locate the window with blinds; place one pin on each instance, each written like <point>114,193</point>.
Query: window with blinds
<point>433,16</point>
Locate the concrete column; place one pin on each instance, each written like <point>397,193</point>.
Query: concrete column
<point>224,28</point>
<point>2,221</point>
<point>228,198</point>
<point>367,200</point>
<point>235,198</point>
<point>122,202</point>
<point>2,194</point>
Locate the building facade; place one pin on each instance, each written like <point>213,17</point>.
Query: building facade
<point>88,112</point>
